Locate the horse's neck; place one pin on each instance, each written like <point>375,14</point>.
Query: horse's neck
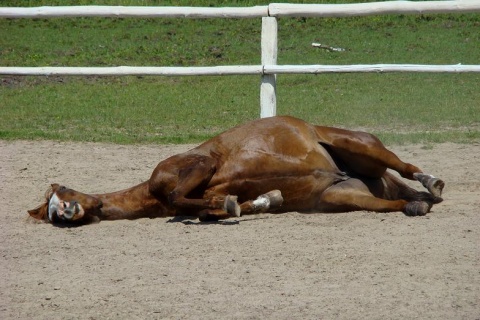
<point>132,203</point>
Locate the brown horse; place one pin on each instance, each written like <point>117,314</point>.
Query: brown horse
<point>276,164</point>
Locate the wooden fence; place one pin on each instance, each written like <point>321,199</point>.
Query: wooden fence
<point>269,14</point>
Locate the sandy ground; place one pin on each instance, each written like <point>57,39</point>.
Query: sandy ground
<point>359,265</point>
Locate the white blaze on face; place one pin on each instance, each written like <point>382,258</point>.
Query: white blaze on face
<point>53,206</point>
<point>57,206</point>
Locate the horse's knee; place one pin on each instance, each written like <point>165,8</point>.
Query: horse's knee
<point>174,198</point>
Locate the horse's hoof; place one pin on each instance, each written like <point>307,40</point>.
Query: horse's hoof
<point>417,208</point>
<point>435,186</point>
<point>275,197</point>
<point>231,206</point>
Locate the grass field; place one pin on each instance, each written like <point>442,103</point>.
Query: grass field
<point>400,107</point>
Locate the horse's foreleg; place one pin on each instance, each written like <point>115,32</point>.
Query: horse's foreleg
<point>194,174</point>
<point>263,203</point>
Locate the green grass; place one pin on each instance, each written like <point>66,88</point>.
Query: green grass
<point>399,108</point>
<point>138,111</point>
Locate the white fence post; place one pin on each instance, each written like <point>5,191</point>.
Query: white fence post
<point>268,87</point>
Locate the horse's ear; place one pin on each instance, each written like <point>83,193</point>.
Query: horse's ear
<point>39,212</point>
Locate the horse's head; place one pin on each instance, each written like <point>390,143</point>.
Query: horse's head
<point>66,205</point>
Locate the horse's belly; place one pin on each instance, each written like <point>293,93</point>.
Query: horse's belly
<point>300,192</point>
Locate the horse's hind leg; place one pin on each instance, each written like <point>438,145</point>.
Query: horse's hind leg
<point>353,195</point>
<point>365,155</point>
<point>434,185</point>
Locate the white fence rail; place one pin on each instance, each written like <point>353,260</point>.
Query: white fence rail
<point>134,12</point>
<point>269,68</point>
<point>316,69</point>
<point>234,70</point>
<point>132,71</point>
<point>272,10</point>
<point>374,8</point>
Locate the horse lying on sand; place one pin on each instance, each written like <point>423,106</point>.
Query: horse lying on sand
<point>274,165</point>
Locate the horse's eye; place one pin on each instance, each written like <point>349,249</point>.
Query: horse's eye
<point>62,188</point>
